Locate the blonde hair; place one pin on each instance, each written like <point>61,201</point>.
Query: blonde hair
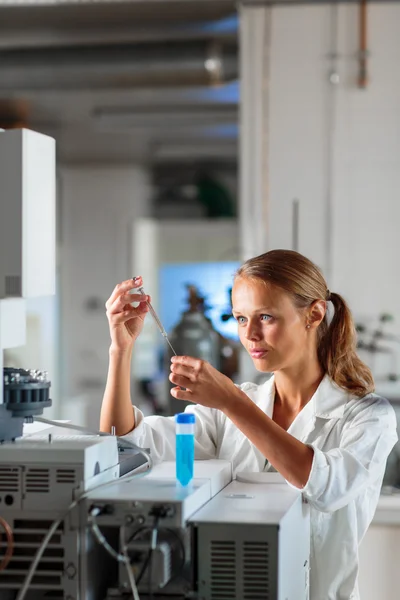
<point>304,282</point>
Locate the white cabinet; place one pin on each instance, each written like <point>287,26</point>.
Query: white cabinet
<point>379,575</point>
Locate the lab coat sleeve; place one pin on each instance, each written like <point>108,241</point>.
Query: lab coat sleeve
<point>158,433</point>
<point>340,475</point>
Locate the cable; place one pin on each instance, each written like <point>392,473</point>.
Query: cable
<point>54,526</point>
<point>127,563</point>
<point>123,557</point>
<point>144,566</point>
<point>103,542</point>
<point>123,441</point>
<point>150,552</point>
<point>153,544</point>
<point>151,558</point>
<point>148,562</point>
<point>39,553</point>
<point>10,544</point>
<point>56,523</point>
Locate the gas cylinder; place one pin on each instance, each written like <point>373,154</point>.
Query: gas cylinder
<point>194,336</point>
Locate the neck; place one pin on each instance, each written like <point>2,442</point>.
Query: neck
<point>295,387</point>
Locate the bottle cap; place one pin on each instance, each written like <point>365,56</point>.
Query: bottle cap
<point>185,418</point>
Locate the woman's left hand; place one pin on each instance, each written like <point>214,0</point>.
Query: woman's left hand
<point>203,384</point>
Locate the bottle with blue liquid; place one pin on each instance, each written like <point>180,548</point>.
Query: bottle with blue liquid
<point>184,427</point>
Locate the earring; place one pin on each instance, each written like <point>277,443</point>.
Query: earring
<point>308,326</point>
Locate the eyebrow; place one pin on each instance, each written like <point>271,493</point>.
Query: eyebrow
<point>262,309</point>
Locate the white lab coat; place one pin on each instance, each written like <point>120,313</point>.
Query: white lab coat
<point>351,438</point>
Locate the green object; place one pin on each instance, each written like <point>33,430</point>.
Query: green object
<point>386,317</point>
<point>215,197</point>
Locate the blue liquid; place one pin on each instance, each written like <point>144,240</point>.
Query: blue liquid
<point>184,458</point>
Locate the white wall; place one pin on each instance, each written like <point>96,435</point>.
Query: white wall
<point>98,206</point>
<point>298,97</point>
<point>368,170</point>
<point>363,159</point>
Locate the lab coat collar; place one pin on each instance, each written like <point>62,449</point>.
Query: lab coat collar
<point>266,395</point>
<point>328,401</point>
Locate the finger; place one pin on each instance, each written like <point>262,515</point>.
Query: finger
<point>188,361</point>
<point>181,381</point>
<point>179,394</point>
<point>123,287</point>
<point>183,370</point>
<point>126,300</point>
<point>125,315</point>
<point>130,298</point>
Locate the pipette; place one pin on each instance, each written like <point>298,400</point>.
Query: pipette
<point>157,320</point>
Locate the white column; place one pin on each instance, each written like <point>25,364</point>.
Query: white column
<point>254,67</point>
<point>12,329</point>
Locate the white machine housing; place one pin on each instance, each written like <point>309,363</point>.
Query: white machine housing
<point>160,487</point>
<point>53,471</point>
<point>134,505</point>
<point>253,542</point>
<point>27,229</point>
<point>245,540</point>
<point>38,481</point>
<point>215,537</point>
<point>27,214</point>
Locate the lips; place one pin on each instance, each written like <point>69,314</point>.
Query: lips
<point>257,352</point>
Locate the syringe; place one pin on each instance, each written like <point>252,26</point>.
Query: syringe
<point>157,320</point>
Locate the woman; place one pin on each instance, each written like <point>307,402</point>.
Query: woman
<point>316,421</point>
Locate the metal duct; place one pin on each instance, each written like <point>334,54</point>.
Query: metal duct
<point>124,66</point>
<point>83,2</point>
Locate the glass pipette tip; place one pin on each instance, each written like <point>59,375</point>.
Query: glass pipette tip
<point>157,320</point>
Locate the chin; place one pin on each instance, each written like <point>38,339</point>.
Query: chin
<point>263,365</point>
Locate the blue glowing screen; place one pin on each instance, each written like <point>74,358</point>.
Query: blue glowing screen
<point>213,280</point>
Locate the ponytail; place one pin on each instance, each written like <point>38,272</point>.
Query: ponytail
<point>337,351</point>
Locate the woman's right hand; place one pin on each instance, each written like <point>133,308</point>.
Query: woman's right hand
<point>125,321</point>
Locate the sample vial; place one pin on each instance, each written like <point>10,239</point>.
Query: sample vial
<point>184,427</point>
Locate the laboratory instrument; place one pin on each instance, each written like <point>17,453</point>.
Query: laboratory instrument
<point>25,394</point>
<point>27,262</point>
<point>216,538</point>
<point>194,335</point>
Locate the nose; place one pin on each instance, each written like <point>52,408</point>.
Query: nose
<point>253,332</point>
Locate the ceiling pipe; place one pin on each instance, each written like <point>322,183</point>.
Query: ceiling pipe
<point>330,137</point>
<point>175,118</point>
<point>49,38</point>
<point>123,67</point>
<point>56,35</point>
<point>363,51</point>
<point>40,3</point>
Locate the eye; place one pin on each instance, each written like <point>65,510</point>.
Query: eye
<point>241,320</point>
<point>266,317</point>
